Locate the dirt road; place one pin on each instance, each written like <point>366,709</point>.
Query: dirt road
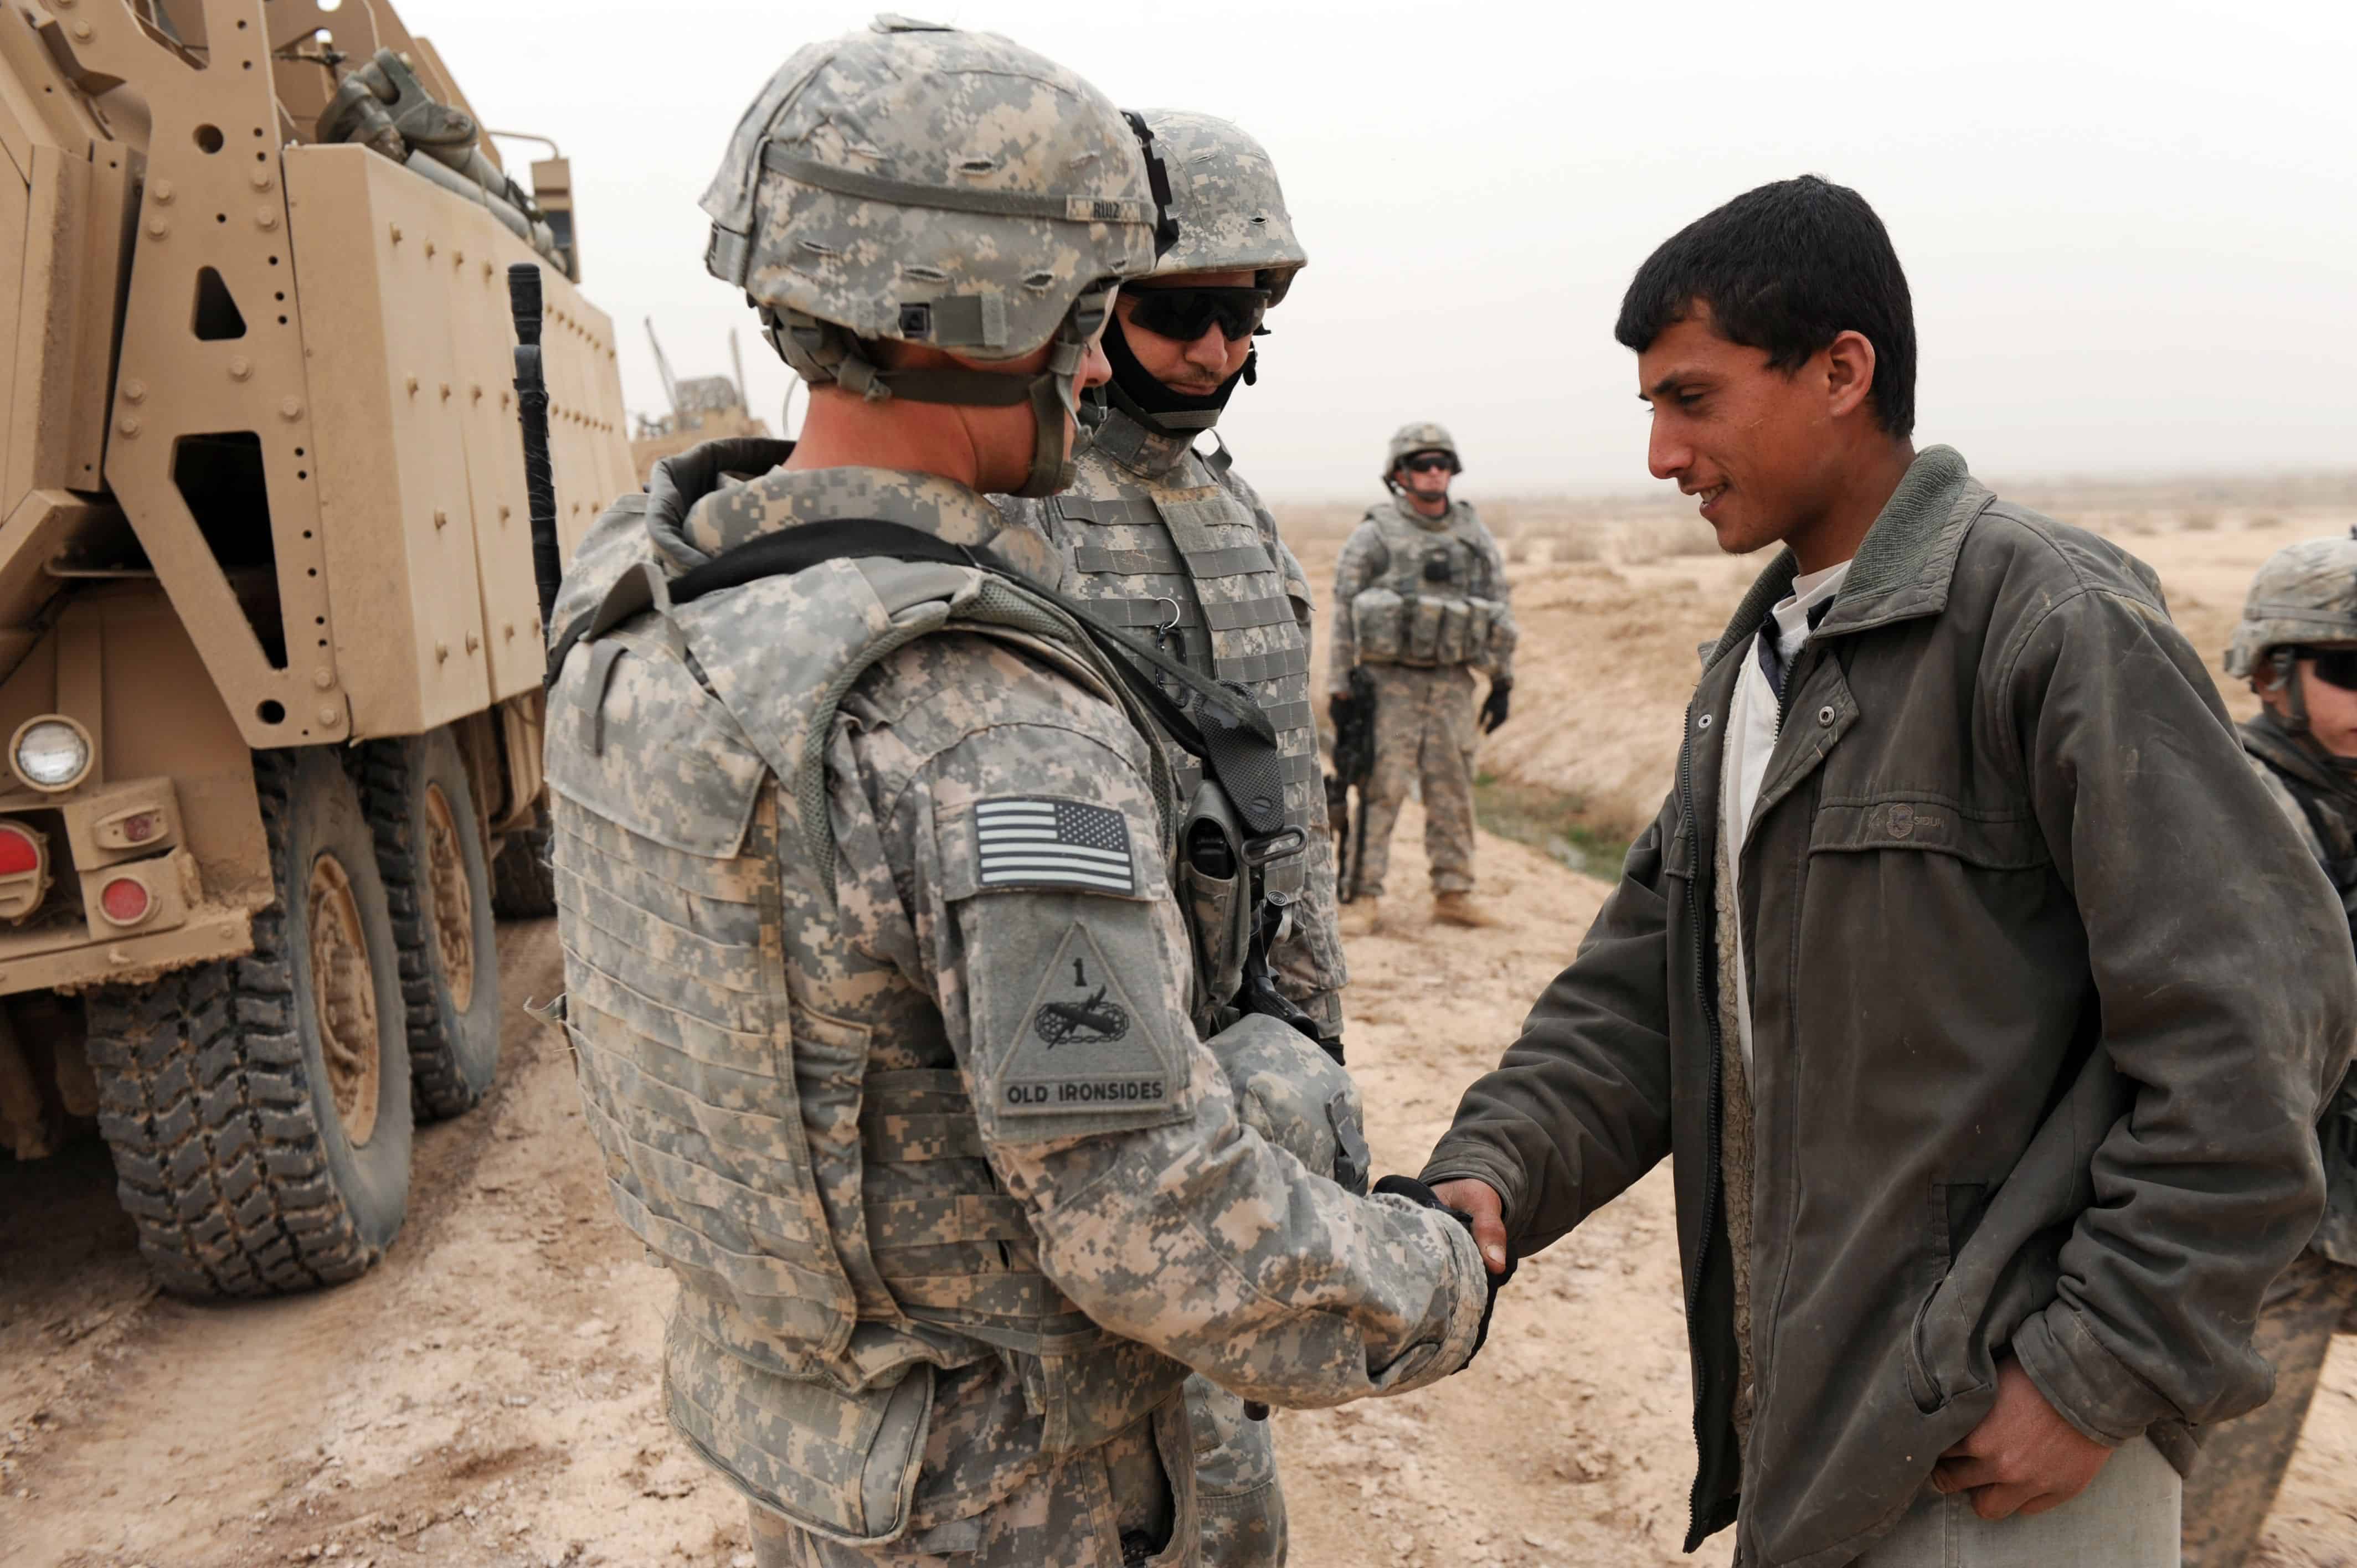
<point>487,1397</point>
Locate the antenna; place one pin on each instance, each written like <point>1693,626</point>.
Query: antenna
<point>737,358</point>
<point>662,367</point>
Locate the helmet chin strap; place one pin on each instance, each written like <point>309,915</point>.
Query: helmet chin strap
<point>823,354</point>
<point>1139,393</point>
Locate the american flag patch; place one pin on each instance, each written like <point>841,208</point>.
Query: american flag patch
<point>1053,843</point>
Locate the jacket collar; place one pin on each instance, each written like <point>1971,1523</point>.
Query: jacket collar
<point>1903,567</point>
<point>1148,454</point>
<point>700,506</point>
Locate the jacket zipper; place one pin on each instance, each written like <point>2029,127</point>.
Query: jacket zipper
<point>1702,1371</point>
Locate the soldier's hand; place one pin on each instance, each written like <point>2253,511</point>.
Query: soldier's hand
<point>1500,1260</point>
<point>1480,1200</point>
<point>1340,708</point>
<point>1495,707</point>
<point>2023,1457</point>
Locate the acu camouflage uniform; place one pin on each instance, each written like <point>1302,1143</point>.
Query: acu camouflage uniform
<point>1162,540</point>
<point>1424,698</point>
<point>2306,593</point>
<point>880,993</point>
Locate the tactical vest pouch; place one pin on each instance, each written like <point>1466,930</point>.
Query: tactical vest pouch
<point>841,1466</point>
<point>1219,907</point>
<point>1420,632</point>
<point>1375,622</point>
<point>1482,627</point>
<point>1498,646</point>
<point>1454,643</point>
<point>1089,1396</point>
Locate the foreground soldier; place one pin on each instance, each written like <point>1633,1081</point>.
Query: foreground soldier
<point>1941,977</point>
<point>1157,537</point>
<point>1420,603</point>
<point>2296,645</point>
<point>880,989</point>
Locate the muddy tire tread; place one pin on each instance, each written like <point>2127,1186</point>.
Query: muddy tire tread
<point>218,1154</point>
<point>380,768</point>
<point>523,880</point>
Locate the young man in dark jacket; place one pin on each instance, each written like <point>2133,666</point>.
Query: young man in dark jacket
<point>1983,998</point>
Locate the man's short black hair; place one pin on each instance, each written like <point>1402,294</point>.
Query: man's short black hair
<point>1787,268</point>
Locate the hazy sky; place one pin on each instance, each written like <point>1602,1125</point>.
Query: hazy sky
<point>2131,230</point>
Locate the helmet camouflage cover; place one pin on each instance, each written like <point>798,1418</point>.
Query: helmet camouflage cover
<point>938,187</point>
<point>1421,436</point>
<point>2305,593</point>
<point>1224,194</point>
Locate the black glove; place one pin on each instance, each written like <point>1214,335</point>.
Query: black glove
<point>1493,707</point>
<point>1416,1192</point>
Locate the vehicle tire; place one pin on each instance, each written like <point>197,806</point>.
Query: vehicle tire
<point>438,884</point>
<point>523,881</point>
<point>258,1108</point>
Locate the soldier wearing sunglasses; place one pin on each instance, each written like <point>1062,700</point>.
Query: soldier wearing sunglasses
<point>1172,543</point>
<point>2296,645</point>
<point>1420,603</point>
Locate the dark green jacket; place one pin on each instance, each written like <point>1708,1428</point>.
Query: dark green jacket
<point>2046,996</point>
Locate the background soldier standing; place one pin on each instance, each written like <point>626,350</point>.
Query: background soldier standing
<point>2296,645</point>
<point>1420,603</point>
<point>1157,537</point>
<point>879,985</point>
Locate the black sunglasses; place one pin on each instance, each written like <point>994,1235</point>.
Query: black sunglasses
<point>1186,314</point>
<point>1430,462</point>
<point>2334,666</point>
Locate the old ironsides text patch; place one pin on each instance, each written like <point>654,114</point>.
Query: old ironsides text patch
<point>1027,841</point>
<point>1081,1045</point>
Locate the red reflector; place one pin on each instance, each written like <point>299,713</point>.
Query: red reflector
<point>18,852</point>
<point>143,827</point>
<point>125,900</point>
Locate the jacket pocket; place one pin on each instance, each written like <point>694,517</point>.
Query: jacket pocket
<point>1938,1358</point>
<point>1915,820</point>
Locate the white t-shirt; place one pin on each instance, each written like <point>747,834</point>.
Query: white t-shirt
<point>1751,730</point>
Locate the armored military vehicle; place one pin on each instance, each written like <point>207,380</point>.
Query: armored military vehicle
<point>270,654</point>
<point>703,408</point>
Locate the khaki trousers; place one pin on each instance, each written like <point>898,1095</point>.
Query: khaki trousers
<point>1423,734</point>
<point>2128,1518</point>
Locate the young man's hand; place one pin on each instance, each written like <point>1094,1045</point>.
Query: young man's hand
<point>1480,1200</point>
<point>2022,1458</point>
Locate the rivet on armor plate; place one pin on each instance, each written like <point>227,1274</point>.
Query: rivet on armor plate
<point>503,513</point>
<point>411,382</point>
<point>446,391</point>
<point>160,193</point>
<point>290,410</point>
<point>240,368</point>
<point>473,642</point>
<point>129,425</point>
<point>84,31</point>
<point>323,677</point>
<point>261,178</point>
<point>441,652</point>
<point>265,218</point>
<point>508,630</point>
<point>135,391</point>
<point>429,247</point>
<point>329,716</point>
<point>396,233</point>
<point>158,227</point>
<point>441,518</point>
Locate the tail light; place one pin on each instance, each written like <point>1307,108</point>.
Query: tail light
<point>24,869</point>
<point>126,900</point>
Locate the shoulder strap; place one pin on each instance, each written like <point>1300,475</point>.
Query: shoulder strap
<point>1221,726</point>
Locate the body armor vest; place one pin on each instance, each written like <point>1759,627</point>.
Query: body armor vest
<point>1171,553</point>
<point>814,1177</point>
<point>1434,604</point>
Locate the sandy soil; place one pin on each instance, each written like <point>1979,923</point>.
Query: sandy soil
<point>488,1395</point>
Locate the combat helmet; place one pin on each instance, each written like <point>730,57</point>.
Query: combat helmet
<point>1226,201</point>
<point>1423,436</point>
<point>924,185</point>
<point>2305,593</point>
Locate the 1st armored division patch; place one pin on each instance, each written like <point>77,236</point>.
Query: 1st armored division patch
<point>1081,1045</point>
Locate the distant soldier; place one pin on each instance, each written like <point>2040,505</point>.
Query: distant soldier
<point>1159,537</point>
<point>877,942</point>
<point>2296,645</point>
<point>1421,602</point>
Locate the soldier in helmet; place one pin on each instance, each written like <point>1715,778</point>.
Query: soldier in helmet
<point>881,985</point>
<point>1421,602</point>
<point>1162,538</point>
<point>2296,646</point>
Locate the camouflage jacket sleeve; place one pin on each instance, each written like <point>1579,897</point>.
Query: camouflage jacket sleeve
<point>1363,559</point>
<point>1004,850</point>
<point>1310,970</point>
<point>1501,662</point>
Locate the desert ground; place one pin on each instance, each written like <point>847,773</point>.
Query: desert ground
<point>488,1395</point>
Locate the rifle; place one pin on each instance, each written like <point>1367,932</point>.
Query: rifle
<point>1354,770</point>
<point>539,481</point>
